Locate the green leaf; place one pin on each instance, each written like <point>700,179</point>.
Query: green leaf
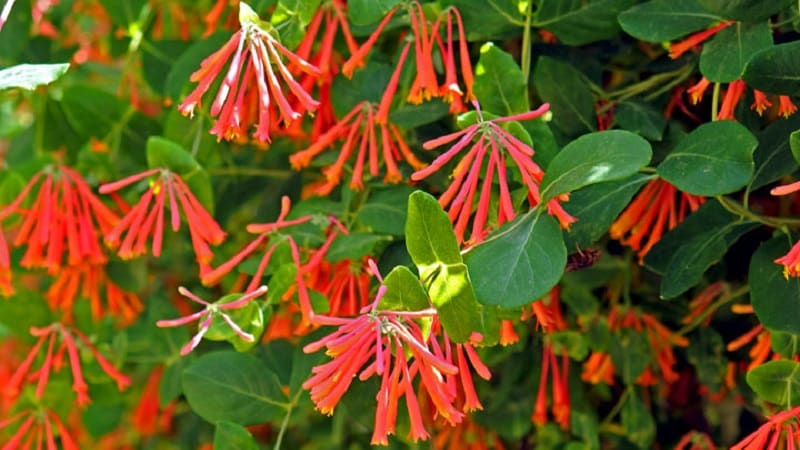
<point>707,355</point>
<point>572,343</point>
<point>100,419</point>
<point>353,246</point>
<point>408,115</point>
<point>775,299</point>
<point>630,354</point>
<point>232,386</point>
<point>158,59</point>
<point>641,118</point>
<point>520,263</point>
<point>694,256</point>
<point>637,421</point>
<point>433,248</point>
<point>726,54</point>
<point>794,144</point>
<point>366,12</point>
<point>249,318</point>
<point>580,22</point>
<point>594,158</point>
<point>665,20</point>
<point>499,84</point>
<point>91,111</point>
<point>597,206</point>
<point>291,18</point>
<point>772,158</point>
<point>716,158</point>
<point>429,235</point>
<point>164,153</point>
<point>571,101</point>
<point>784,344</point>
<point>16,31</point>
<point>123,13</point>
<point>745,10</point>
<point>775,70</point>
<point>404,291</point>
<point>385,210</point>
<point>30,76</point>
<point>777,382</point>
<point>367,84</point>
<point>232,436</point>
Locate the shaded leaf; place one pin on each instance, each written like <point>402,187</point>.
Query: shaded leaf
<point>775,70</point>
<point>726,54</point>
<point>580,22</point>
<point>665,20</point>
<point>775,299</point>
<point>571,101</point>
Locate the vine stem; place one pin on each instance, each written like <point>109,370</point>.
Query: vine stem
<point>617,407</point>
<point>526,43</point>
<point>740,210</point>
<point>727,298</point>
<point>715,102</point>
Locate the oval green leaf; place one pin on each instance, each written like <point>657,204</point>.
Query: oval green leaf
<point>564,87</point>
<point>593,158</point>
<point>232,436</point>
<point>499,84</point>
<point>776,300</point>
<point>777,382</point>
<point>726,54</point>
<point>775,70</point>
<point>519,264</point>
<point>665,20</point>
<point>234,387</point>
<point>716,158</point>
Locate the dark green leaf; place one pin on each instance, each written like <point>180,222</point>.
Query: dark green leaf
<point>571,101</point>
<point>594,158</point>
<point>91,111</point>
<point>716,158</point>
<point>158,58</point>
<point>746,10</point>
<point>408,115</point>
<point>794,144</point>
<point>520,263</point>
<point>232,436</point>
<point>164,153</point>
<point>234,387</point>
<point>353,246</point>
<point>707,355</point>
<point>499,84</point>
<point>630,354</point>
<point>638,423</point>
<point>641,118</point>
<point>123,13</point>
<point>100,419</point>
<point>572,343</point>
<point>367,84</point>
<point>170,387</point>
<point>15,33</point>
<point>580,22</point>
<point>691,260</point>
<point>665,20</point>
<point>777,382</point>
<point>597,206</point>
<point>30,76</point>
<point>482,22</point>
<point>775,299</point>
<point>784,344</point>
<point>775,70</point>
<point>725,55</point>
<point>385,210</point>
<point>772,158</point>
<point>404,291</point>
<point>366,12</point>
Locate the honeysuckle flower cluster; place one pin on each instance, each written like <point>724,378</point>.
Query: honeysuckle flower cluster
<point>251,89</point>
<point>490,145</point>
<point>392,345</point>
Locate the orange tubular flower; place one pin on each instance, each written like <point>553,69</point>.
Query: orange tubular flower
<point>654,210</point>
<point>696,91</point>
<point>698,306</point>
<point>786,108</point>
<point>467,435</point>
<point>495,145</point>
<point>345,284</point>
<point>731,99</point>
<point>679,48</point>
<point>760,102</point>
<point>91,282</point>
<point>61,224</point>
<point>781,431</point>
<point>361,129</point>
<point>38,426</point>
<point>400,352</point>
<point>54,361</point>
<point>251,84</point>
<point>148,416</point>
<point>791,260</point>
<point>560,377</point>
<point>143,222</point>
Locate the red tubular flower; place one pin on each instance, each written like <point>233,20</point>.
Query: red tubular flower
<point>698,306</point>
<point>384,336</point>
<point>91,282</point>
<point>345,284</point>
<point>251,82</point>
<point>357,59</point>
<point>731,99</point>
<point>370,139</point>
<point>791,260</point>
<point>658,207</point>
<point>143,221</point>
<point>696,91</point>
<point>780,431</point>
<point>695,440</point>
<point>61,226</point>
<point>679,48</point>
<point>494,146</point>
<point>54,361</point>
<point>149,417</point>
<point>786,108</point>
<point>40,426</point>
<point>760,102</point>
<point>209,313</point>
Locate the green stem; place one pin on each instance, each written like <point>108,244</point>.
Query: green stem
<point>285,424</point>
<point>617,407</point>
<point>715,102</point>
<point>736,208</point>
<point>249,171</point>
<point>526,43</point>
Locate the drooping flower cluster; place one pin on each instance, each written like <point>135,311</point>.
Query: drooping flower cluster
<point>60,339</point>
<point>657,208</point>
<point>493,148</point>
<point>400,352</point>
<point>733,95</point>
<point>39,427</point>
<point>146,219</point>
<point>251,89</point>
<point>780,431</point>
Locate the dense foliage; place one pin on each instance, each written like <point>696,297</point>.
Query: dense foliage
<point>450,224</point>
